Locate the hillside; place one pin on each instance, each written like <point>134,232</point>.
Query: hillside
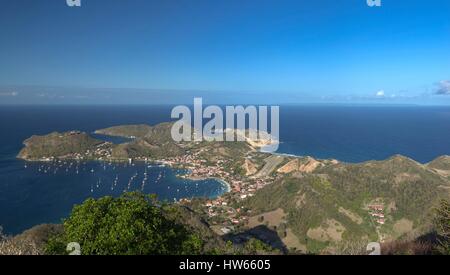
<point>149,142</point>
<point>153,142</point>
<point>57,144</point>
<point>337,202</point>
<point>133,224</point>
<point>313,205</point>
<point>29,242</point>
<point>127,131</point>
<point>441,165</point>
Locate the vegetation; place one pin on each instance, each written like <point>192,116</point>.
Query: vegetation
<point>326,205</point>
<point>334,199</point>
<point>441,163</point>
<point>257,247</point>
<point>58,145</point>
<point>442,224</point>
<point>410,247</point>
<point>132,224</point>
<point>30,242</point>
<point>126,131</point>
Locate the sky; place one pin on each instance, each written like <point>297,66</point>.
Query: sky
<point>241,51</point>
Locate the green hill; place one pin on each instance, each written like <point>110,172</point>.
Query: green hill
<point>156,143</point>
<point>332,204</point>
<point>313,205</point>
<point>128,131</point>
<point>58,145</point>
<point>133,224</point>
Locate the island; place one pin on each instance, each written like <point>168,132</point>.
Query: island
<point>297,204</point>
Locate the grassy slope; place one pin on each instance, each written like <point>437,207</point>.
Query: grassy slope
<point>312,199</point>
<point>139,130</point>
<point>57,144</point>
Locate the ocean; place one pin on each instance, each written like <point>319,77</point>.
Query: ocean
<point>35,193</point>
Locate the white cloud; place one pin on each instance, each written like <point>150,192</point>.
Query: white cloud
<point>9,94</point>
<point>443,88</point>
<point>380,93</point>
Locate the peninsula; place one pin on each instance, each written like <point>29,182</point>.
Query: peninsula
<point>311,205</point>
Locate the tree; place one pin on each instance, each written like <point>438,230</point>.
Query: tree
<point>257,247</point>
<point>134,223</point>
<point>442,224</point>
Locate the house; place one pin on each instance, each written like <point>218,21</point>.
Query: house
<point>376,207</point>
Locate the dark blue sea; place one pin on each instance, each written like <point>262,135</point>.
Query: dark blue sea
<point>35,193</point>
<point>43,193</point>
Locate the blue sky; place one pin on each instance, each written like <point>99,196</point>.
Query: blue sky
<point>248,51</point>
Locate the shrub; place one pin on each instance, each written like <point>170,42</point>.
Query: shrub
<point>442,225</point>
<point>129,225</point>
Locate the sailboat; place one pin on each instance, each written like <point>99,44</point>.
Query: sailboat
<point>116,180</point>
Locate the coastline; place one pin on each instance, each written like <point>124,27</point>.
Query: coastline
<point>196,178</point>
<point>224,183</point>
